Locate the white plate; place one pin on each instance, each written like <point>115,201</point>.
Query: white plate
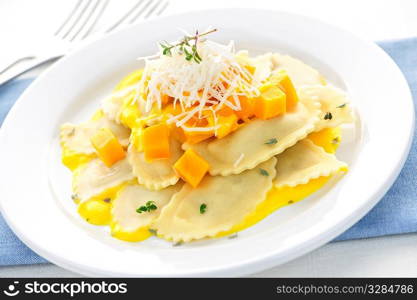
<point>36,187</point>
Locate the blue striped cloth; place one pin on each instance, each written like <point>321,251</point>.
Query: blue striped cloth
<point>396,213</point>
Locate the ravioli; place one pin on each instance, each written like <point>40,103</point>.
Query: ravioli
<point>76,138</point>
<point>124,92</point>
<point>94,178</point>
<point>157,174</point>
<point>129,225</point>
<point>334,104</point>
<point>248,146</point>
<point>305,161</point>
<point>112,106</point>
<point>228,200</point>
<point>263,67</point>
<point>275,148</point>
<point>300,73</point>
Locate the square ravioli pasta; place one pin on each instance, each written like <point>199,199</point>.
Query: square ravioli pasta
<point>184,220</point>
<point>250,143</point>
<point>204,142</point>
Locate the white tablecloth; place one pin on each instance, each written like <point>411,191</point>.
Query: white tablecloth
<point>23,21</point>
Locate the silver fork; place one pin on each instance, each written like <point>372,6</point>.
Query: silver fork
<point>76,28</point>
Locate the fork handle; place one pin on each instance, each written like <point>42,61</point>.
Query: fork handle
<point>23,68</point>
<point>15,62</point>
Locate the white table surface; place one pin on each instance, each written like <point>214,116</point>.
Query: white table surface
<point>23,21</point>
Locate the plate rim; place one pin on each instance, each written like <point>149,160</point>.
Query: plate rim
<point>267,260</point>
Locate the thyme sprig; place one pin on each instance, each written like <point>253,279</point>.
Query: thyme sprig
<point>150,206</point>
<point>203,208</point>
<point>272,141</point>
<point>186,46</point>
<point>328,116</point>
<point>263,172</point>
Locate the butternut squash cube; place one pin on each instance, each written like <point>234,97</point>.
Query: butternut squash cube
<point>225,111</point>
<point>178,134</point>
<point>271,103</point>
<point>107,146</point>
<point>197,137</point>
<point>247,106</point>
<point>194,137</point>
<point>191,167</point>
<point>155,141</point>
<point>227,125</point>
<point>165,99</point>
<point>282,79</point>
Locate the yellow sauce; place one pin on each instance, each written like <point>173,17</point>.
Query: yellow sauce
<point>72,160</point>
<point>97,210</point>
<point>277,198</point>
<point>137,235</point>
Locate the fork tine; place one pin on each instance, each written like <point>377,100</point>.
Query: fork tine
<point>163,8</point>
<point>78,18</point>
<point>86,25</point>
<point>140,12</point>
<point>89,28</point>
<point>68,17</point>
<point>123,18</point>
<point>87,16</point>
<point>153,9</point>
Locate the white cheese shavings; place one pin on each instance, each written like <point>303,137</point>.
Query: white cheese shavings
<point>217,81</point>
<point>239,160</point>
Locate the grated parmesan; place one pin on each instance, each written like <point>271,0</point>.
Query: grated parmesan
<point>239,160</point>
<point>217,80</point>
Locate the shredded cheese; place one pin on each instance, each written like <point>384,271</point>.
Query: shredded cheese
<point>239,160</point>
<point>216,81</point>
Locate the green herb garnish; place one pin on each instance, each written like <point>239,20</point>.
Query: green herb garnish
<point>107,200</point>
<point>328,116</point>
<point>263,172</point>
<point>341,105</point>
<point>185,47</point>
<point>203,208</point>
<point>150,206</point>
<point>272,141</point>
<point>233,236</point>
<point>177,244</point>
<point>335,140</point>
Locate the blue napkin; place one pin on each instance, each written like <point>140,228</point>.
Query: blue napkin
<point>396,213</point>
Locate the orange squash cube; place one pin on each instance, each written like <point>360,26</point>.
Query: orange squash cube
<point>271,103</point>
<point>178,134</point>
<point>107,146</point>
<point>247,106</point>
<point>155,141</point>
<point>197,137</point>
<point>191,167</point>
<point>227,125</point>
<point>282,79</point>
<point>194,137</point>
<point>170,109</point>
<point>225,111</point>
<point>165,99</point>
